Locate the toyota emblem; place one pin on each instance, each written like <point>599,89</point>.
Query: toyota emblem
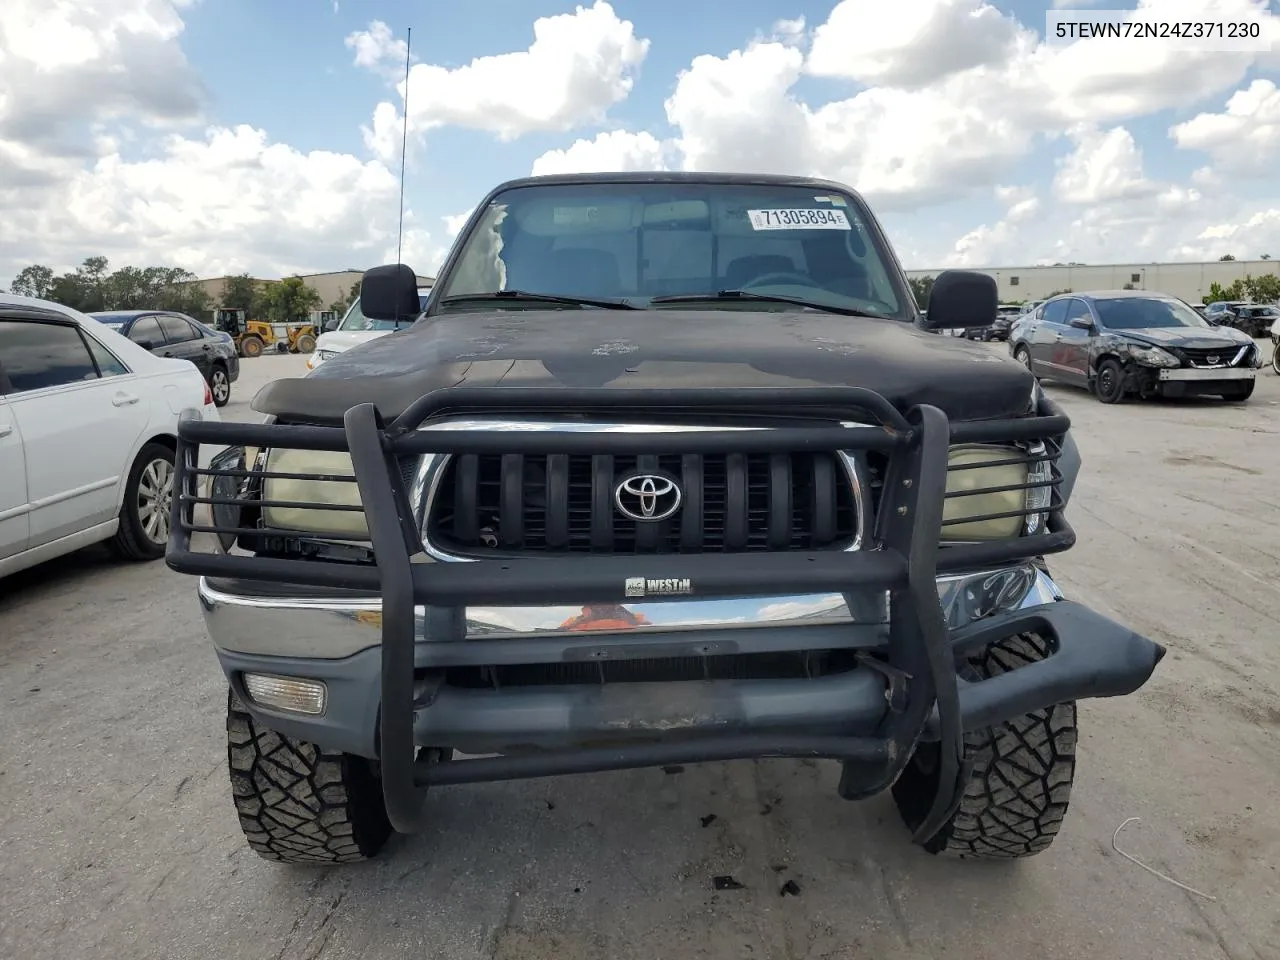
<point>647,497</point>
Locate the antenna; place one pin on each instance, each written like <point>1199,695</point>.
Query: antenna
<point>404,141</point>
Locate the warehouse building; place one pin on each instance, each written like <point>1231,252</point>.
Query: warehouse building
<point>333,287</point>
<point>1187,281</point>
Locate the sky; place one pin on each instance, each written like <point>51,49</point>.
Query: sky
<point>226,136</point>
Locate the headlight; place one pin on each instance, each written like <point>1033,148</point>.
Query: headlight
<point>1153,357</point>
<point>996,491</point>
<point>327,354</point>
<point>336,492</point>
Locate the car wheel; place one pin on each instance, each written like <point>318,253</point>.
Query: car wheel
<point>299,802</point>
<point>143,533</point>
<point>1275,357</point>
<point>1109,383</point>
<point>220,386</point>
<point>1017,794</point>
<point>1023,357</point>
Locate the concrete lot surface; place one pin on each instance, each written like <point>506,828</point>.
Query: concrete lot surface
<point>118,840</point>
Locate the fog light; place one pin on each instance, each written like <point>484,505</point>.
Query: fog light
<point>286,693</point>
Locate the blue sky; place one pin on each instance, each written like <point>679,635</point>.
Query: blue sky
<point>977,145</point>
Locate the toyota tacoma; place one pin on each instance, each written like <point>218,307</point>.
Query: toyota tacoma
<point>670,470</point>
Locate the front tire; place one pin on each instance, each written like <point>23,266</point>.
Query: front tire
<point>220,386</point>
<point>300,803</point>
<point>1109,382</point>
<point>306,343</point>
<point>1018,793</point>
<point>143,533</point>
<point>251,346</point>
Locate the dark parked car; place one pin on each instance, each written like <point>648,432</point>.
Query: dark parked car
<point>168,334</point>
<point>1120,342</point>
<point>999,329</point>
<point>1255,319</point>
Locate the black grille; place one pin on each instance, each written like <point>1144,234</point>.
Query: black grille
<point>1202,358</point>
<point>564,504</point>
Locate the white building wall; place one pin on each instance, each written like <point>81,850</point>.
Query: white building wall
<point>1187,281</point>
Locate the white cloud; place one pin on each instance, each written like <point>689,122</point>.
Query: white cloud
<point>985,245</point>
<point>1244,138</point>
<point>1105,166</point>
<point>611,151</point>
<point>910,43</point>
<point>228,201</point>
<point>64,64</point>
<point>579,65</point>
<point>378,49</point>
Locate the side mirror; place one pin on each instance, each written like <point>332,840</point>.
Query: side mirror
<point>961,298</point>
<point>145,344</point>
<point>389,293</point>
<point>1082,323</point>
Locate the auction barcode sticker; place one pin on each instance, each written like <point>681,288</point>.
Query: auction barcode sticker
<point>798,219</point>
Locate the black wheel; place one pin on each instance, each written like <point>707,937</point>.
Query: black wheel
<point>220,385</point>
<point>143,533</point>
<point>1017,796</point>
<point>1275,357</point>
<point>306,343</point>
<point>299,803</point>
<point>1023,356</point>
<point>1109,383</point>
<point>251,346</point>
<point>1239,392</point>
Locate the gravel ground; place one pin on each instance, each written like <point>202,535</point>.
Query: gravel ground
<point>117,837</point>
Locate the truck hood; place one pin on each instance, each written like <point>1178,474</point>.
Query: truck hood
<point>1194,338</point>
<point>657,350</point>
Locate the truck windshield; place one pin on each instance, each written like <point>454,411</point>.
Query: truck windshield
<point>637,242</point>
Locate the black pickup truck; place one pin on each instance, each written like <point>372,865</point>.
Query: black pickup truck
<point>669,471</point>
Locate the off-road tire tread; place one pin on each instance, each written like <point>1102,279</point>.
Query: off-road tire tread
<point>129,542</point>
<point>1017,797</point>
<point>299,803</point>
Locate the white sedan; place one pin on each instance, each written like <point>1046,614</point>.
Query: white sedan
<point>355,328</point>
<point>88,427</point>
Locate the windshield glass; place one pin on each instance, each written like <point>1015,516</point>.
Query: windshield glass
<point>1137,313</point>
<point>355,321</point>
<point>638,241</point>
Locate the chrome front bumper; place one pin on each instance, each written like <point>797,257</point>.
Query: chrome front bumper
<point>243,619</point>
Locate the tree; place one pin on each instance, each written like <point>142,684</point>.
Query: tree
<point>1262,289</point>
<point>242,292</point>
<point>290,300</point>
<point>1218,292</point>
<point>1225,257</point>
<point>33,281</point>
<point>921,289</point>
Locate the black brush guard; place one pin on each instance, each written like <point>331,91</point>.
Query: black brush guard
<point>909,526</point>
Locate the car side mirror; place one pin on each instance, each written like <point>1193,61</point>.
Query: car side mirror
<point>389,293</point>
<point>961,298</point>
<point>145,344</point>
<point>1082,323</point>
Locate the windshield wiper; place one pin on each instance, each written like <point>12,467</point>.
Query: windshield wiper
<point>522,295</point>
<point>747,295</point>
